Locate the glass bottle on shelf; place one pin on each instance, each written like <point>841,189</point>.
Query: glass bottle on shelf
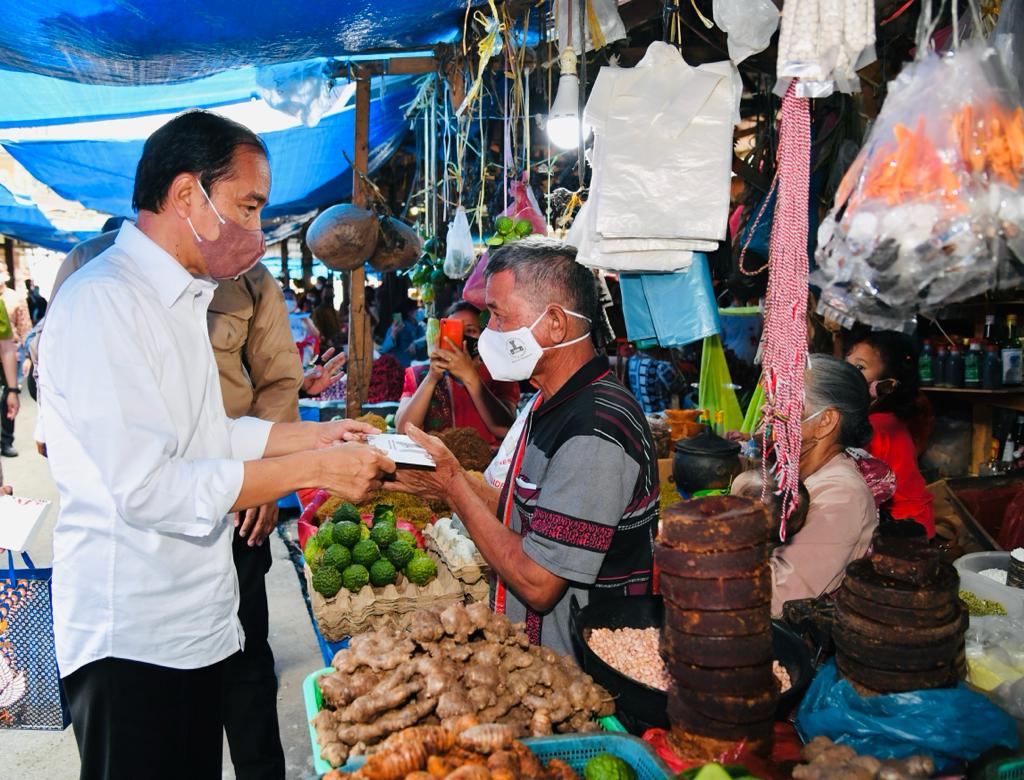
<point>992,368</point>
<point>991,337</point>
<point>939,366</point>
<point>925,365</point>
<point>973,358</point>
<point>955,367</point>
<point>1011,353</point>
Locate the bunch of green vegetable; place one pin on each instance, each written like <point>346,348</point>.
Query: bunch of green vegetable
<point>508,230</point>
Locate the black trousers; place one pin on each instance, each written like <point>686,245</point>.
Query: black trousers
<point>137,721</point>
<point>6,426</point>
<point>250,684</point>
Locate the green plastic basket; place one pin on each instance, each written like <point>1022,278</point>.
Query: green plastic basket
<point>574,749</point>
<point>1010,769</point>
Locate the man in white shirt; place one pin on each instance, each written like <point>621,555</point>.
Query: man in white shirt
<point>148,465</point>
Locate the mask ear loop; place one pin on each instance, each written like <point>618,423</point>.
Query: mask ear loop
<point>206,195</point>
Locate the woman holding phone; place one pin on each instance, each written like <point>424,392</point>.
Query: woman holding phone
<point>455,390</point>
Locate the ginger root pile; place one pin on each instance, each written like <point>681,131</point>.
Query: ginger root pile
<point>828,761</point>
<point>465,750</point>
<point>463,662</point>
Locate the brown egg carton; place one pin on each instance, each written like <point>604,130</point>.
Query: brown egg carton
<point>371,608</point>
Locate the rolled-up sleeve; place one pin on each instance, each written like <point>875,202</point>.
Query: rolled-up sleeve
<point>249,437</point>
<point>109,401</point>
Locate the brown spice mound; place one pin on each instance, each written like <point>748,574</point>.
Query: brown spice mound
<point>375,420</point>
<point>468,447</point>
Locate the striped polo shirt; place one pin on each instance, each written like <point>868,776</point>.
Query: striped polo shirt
<point>585,498</point>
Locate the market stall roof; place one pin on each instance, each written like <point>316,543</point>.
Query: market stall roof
<point>308,164</point>
<point>21,219</point>
<point>155,42</point>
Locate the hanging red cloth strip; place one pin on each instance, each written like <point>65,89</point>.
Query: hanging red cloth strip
<point>785,319</point>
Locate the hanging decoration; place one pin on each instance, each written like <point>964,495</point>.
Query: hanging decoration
<point>785,317</point>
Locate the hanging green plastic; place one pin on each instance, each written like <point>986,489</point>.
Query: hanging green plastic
<point>753,416</point>
<point>716,391</point>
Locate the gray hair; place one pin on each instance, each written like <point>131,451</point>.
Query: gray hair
<point>831,382</point>
<point>549,271</point>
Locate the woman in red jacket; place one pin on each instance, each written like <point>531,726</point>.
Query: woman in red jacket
<point>888,361</point>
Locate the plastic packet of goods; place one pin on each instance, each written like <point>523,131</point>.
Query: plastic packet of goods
<point>929,211</point>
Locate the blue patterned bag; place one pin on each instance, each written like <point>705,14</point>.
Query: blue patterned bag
<point>31,695</point>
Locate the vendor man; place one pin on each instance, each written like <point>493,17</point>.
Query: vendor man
<point>578,512</point>
<point>148,465</point>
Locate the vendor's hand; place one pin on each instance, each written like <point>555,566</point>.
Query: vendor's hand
<point>13,405</point>
<point>257,523</point>
<point>433,483</point>
<point>353,470</point>
<point>319,378</point>
<point>339,431</point>
<point>456,361</point>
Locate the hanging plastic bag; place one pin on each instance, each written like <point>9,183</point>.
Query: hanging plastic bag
<point>929,212</point>
<point>460,256</point>
<point>749,24</point>
<point>995,661</point>
<point>475,287</point>
<point>652,310</point>
<point>949,724</point>
<point>604,25</point>
<point>524,206</point>
<point>716,391</point>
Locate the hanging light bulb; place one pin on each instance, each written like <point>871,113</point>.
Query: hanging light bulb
<point>564,118</point>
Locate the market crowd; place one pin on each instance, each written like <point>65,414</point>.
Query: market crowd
<point>170,365</point>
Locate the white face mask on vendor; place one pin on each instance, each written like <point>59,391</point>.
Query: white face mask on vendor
<point>512,355</point>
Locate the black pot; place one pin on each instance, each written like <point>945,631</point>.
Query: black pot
<point>639,706</point>
<point>705,462</point>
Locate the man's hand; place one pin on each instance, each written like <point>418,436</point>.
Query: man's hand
<point>319,378</point>
<point>340,431</point>
<point>353,470</point>
<point>434,483</point>
<point>13,405</point>
<point>456,361</point>
<point>257,523</point>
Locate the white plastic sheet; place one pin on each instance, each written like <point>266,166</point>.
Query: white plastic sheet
<point>604,12</point>
<point>661,163</point>
<point>749,25</point>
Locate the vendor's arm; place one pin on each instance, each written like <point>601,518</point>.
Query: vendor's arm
<point>837,531</point>
<point>413,407</point>
<point>9,358</point>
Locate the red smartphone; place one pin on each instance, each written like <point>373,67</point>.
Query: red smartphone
<point>451,330</point>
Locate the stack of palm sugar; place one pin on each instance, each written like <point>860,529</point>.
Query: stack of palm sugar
<point>712,555</point>
<point>899,623</point>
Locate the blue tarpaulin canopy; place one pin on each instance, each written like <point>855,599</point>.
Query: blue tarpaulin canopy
<point>308,164</point>
<point>21,219</point>
<point>156,42</point>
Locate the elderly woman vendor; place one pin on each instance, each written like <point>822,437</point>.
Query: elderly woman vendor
<point>842,515</point>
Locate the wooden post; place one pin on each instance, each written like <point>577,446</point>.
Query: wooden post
<point>360,341</point>
<point>307,261</point>
<point>285,273</point>
<point>9,260</point>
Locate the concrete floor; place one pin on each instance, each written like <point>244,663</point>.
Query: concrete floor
<point>53,756</point>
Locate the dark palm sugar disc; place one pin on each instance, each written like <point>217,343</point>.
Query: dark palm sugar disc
<point>714,523</point>
<point>848,620</point>
<point>883,655</point>
<point>716,652</point>
<point>733,709</point>
<point>730,593</point>
<point>897,616</point>
<point>680,713</point>
<point>736,622</point>
<point>734,681</point>
<point>888,681</point>
<point>905,560</point>
<point>709,565</point>
<point>862,580</point>
<point>702,749</point>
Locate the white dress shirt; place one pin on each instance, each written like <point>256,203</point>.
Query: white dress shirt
<point>146,461</point>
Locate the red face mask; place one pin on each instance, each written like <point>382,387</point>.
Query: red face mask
<point>234,251</point>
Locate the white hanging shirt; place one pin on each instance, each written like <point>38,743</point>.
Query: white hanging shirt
<point>146,461</point>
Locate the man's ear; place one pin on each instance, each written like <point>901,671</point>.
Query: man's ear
<point>182,194</point>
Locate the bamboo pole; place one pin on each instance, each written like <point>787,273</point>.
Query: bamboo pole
<point>360,341</point>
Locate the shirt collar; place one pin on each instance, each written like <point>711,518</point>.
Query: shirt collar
<point>165,274</point>
<point>589,373</point>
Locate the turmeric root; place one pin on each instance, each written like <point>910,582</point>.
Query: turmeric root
<point>438,767</point>
<point>396,762</point>
<point>559,770</point>
<point>487,738</point>
<point>470,772</point>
